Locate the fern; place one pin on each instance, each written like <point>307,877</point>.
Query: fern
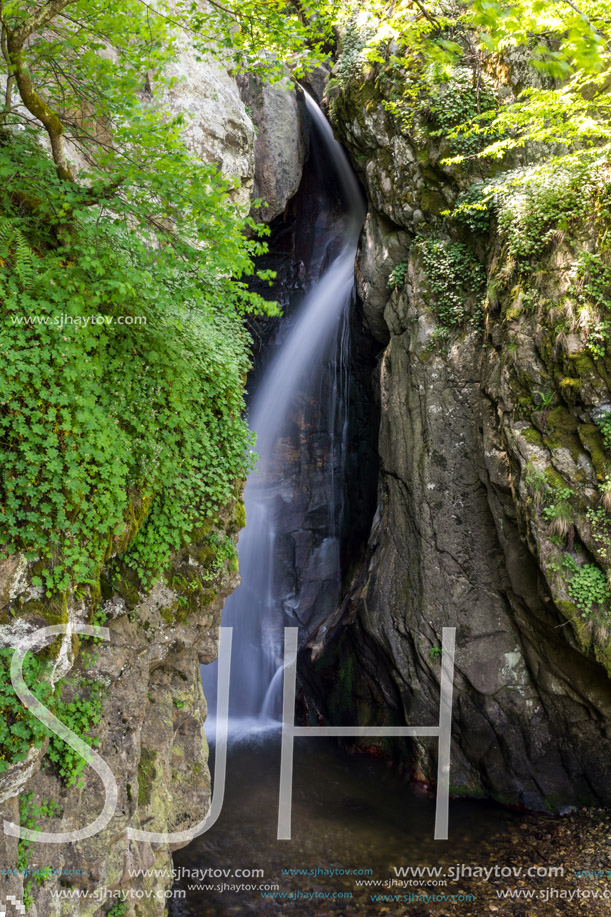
<point>16,250</point>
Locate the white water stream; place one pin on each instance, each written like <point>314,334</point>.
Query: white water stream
<point>292,386</point>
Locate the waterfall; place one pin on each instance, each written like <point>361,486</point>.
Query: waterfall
<point>300,414</point>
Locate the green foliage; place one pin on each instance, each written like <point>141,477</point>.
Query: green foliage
<point>92,414</point>
<point>600,521</point>
<point>563,101</point>
<point>449,100</point>
<point>19,730</point>
<point>265,38</point>
<point>474,208</point>
<point>119,908</point>
<point>29,815</point>
<point>534,205</point>
<point>355,50</point>
<point>80,713</point>
<point>594,275</point>
<point>398,275</point>
<point>435,653</point>
<point>604,422</point>
<point>123,354</point>
<point>456,282</point>
<point>588,588</point>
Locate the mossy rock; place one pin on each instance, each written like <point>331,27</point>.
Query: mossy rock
<point>123,582</point>
<point>146,775</point>
<point>592,440</point>
<point>532,436</point>
<point>561,432</point>
<point>204,554</point>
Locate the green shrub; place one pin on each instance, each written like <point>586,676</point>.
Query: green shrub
<point>456,281</point>
<point>533,205</point>
<point>146,404</point>
<point>589,589</point>
<point>19,729</point>
<point>79,714</point>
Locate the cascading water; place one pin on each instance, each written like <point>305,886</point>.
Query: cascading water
<point>299,412</point>
<point>346,808</point>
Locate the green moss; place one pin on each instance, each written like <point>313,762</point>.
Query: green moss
<point>582,364</point>
<point>146,775</point>
<point>561,431</point>
<point>556,481</point>
<point>134,518</point>
<point>514,312</point>
<point>240,515</point>
<point>204,554</point>
<point>532,436</point>
<point>466,791</point>
<point>54,609</point>
<point>202,531</point>
<point>592,440</point>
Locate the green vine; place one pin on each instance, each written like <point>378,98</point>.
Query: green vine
<point>456,281</point>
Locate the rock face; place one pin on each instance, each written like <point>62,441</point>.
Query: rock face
<point>492,472</point>
<point>281,145</point>
<point>149,727</point>
<point>217,125</point>
<point>144,683</point>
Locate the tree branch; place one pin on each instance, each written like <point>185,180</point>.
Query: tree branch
<point>588,22</point>
<point>39,19</point>
<point>13,42</point>
<point>38,107</point>
<point>428,16</point>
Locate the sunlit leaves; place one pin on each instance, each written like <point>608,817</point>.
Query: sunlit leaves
<point>559,52</point>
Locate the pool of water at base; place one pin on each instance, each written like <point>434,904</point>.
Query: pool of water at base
<point>350,812</point>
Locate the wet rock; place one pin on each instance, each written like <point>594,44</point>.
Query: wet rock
<point>458,540</point>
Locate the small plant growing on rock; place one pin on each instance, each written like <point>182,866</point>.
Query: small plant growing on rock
<point>398,275</point>
<point>119,908</point>
<point>605,493</point>
<point>560,514</point>
<point>588,587</point>
<point>537,483</point>
<point>604,423</point>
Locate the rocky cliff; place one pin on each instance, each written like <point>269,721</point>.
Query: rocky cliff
<point>138,694</point>
<point>488,295</point>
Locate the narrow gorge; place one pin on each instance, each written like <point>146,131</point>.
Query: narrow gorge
<point>306,323</point>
